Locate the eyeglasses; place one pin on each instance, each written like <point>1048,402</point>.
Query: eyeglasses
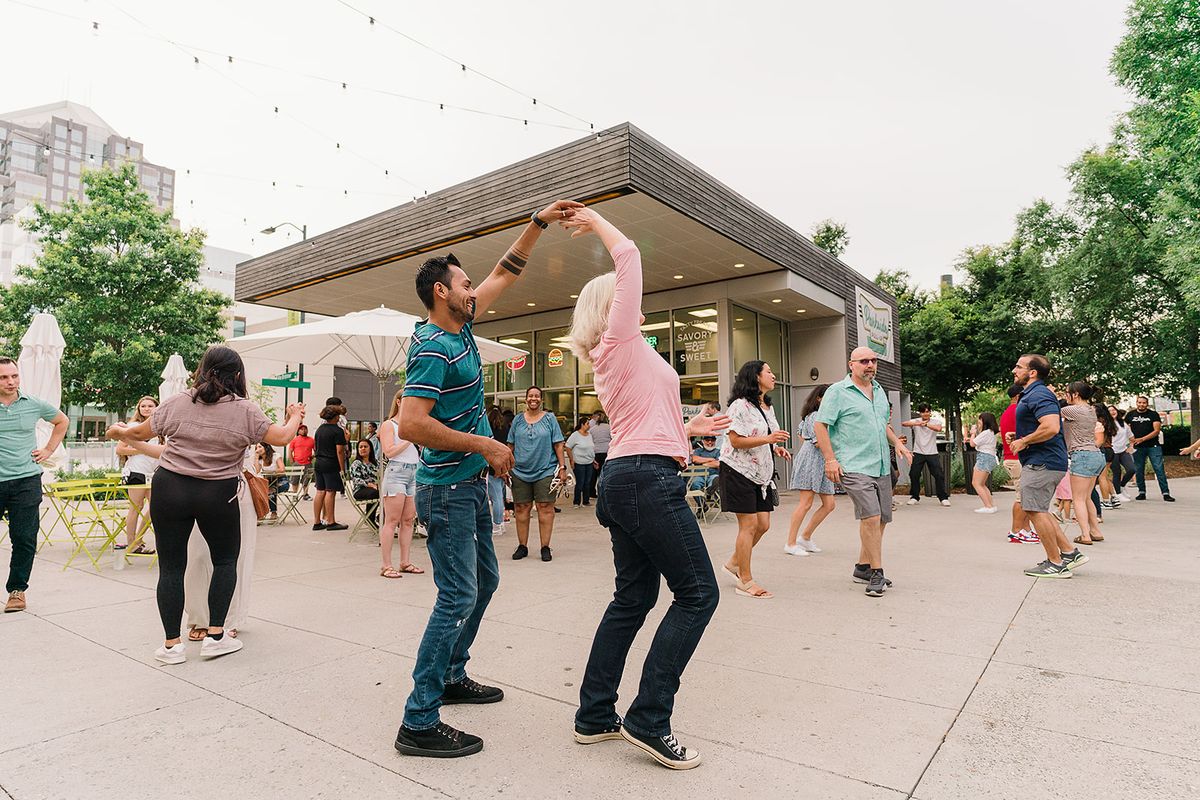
<point>865,361</point>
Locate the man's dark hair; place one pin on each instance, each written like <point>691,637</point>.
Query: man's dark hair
<point>1143,397</point>
<point>921,409</point>
<point>220,374</point>
<point>1039,364</point>
<point>714,405</point>
<point>7,360</point>
<point>333,401</point>
<point>435,270</point>
<point>1015,390</point>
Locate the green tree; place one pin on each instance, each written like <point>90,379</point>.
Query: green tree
<point>123,284</point>
<point>831,237</point>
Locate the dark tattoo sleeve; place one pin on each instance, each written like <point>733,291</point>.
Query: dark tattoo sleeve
<point>514,261</point>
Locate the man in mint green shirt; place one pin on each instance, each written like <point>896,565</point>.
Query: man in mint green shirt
<point>853,434</point>
<point>21,473</point>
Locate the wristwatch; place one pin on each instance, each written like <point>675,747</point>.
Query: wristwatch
<point>536,221</point>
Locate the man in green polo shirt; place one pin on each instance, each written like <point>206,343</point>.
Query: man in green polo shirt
<point>21,473</point>
<point>853,434</point>
<point>443,411</point>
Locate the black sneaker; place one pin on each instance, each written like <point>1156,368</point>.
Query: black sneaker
<point>1141,496</point>
<point>1168,498</point>
<point>862,574</point>
<point>319,526</point>
<point>875,586</point>
<point>440,741</point>
<point>468,691</point>
<point>664,749</point>
<point>590,734</point>
<point>336,526</point>
<point>546,555</point>
<point>1048,569</point>
<point>1074,559</point>
<point>520,552</point>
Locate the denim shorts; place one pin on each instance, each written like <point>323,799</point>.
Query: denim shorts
<point>986,462</point>
<point>400,478</point>
<point>1087,463</point>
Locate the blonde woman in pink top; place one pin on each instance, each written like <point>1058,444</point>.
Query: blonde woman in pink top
<point>641,502</point>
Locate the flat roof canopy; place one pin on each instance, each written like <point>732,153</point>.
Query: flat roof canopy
<point>683,221</point>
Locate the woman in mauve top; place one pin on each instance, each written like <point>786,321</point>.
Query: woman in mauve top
<point>641,502</point>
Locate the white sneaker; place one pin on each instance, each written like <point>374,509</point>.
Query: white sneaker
<point>795,550</point>
<point>497,530</point>
<point>912,501</point>
<point>991,510</point>
<point>808,545</point>
<point>171,655</point>
<point>946,503</point>
<point>219,647</point>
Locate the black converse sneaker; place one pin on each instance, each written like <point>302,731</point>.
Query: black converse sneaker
<point>664,749</point>
<point>862,574</point>
<point>590,734</point>
<point>440,741</point>
<point>468,691</point>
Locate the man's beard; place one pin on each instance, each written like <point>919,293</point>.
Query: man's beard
<point>465,313</point>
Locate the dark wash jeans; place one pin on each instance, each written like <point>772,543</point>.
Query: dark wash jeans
<point>654,533</point>
<point>21,498</point>
<point>459,523</point>
<point>1155,454</point>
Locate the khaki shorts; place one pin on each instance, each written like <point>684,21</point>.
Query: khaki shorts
<point>872,497</point>
<point>1014,470</point>
<point>532,492</point>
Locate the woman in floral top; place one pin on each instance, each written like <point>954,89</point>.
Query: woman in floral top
<point>747,467</point>
<point>364,476</point>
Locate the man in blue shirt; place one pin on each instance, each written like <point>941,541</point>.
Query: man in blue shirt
<point>21,473</point>
<point>1038,443</point>
<point>443,411</point>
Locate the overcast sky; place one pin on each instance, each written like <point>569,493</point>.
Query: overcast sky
<point>923,126</point>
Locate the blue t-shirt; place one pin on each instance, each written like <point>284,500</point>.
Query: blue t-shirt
<point>533,447</point>
<point>445,367</point>
<point>1036,402</point>
<point>703,452</point>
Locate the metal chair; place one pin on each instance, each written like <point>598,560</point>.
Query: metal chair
<point>365,509</point>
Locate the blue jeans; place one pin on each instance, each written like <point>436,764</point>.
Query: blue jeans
<point>21,498</point>
<point>1140,454</point>
<point>583,483</point>
<point>459,525</point>
<point>654,533</point>
<point>496,498</point>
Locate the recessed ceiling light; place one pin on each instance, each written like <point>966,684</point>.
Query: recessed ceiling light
<point>514,340</point>
<point>491,311</point>
<point>531,305</point>
<point>738,266</point>
<point>739,319</point>
<point>677,277</point>
<point>704,312</point>
<point>777,300</point>
<point>574,297</point>
<point>801,310</point>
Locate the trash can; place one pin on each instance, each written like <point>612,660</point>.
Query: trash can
<point>969,457</point>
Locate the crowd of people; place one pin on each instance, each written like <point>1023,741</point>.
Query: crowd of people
<point>444,458</point>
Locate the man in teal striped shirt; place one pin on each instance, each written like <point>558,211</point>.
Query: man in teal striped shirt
<point>443,411</point>
<point>21,473</point>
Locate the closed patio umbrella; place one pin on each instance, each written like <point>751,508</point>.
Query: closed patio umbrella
<point>174,378</point>
<point>40,367</point>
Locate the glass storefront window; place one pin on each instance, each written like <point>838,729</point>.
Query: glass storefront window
<point>700,390</point>
<point>489,378</point>
<point>562,406</point>
<point>554,361</point>
<point>589,402</point>
<point>657,331</point>
<point>745,336</point>
<point>515,374</point>
<point>770,345</point>
<point>695,336</point>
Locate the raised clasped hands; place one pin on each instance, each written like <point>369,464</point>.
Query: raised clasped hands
<point>581,222</point>
<point>559,211</point>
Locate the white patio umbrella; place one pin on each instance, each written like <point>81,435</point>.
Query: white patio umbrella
<point>375,340</point>
<point>40,367</point>
<point>174,378</point>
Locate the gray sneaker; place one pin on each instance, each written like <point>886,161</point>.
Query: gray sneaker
<point>876,585</point>
<point>1074,559</point>
<point>1048,569</point>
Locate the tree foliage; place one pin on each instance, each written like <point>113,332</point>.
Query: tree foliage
<point>123,284</point>
<point>831,236</point>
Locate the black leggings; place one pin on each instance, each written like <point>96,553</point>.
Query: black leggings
<point>177,503</point>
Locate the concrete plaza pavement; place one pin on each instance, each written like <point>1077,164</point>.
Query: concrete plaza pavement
<point>966,680</point>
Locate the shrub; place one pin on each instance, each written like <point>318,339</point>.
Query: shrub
<point>1175,438</point>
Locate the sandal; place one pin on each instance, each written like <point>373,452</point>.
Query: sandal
<point>197,634</point>
<point>412,569</point>
<point>390,572</point>
<point>120,546</point>
<point>753,590</point>
<point>732,572</point>
<point>1081,540</point>
<point>141,550</point>
<point>1097,538</point>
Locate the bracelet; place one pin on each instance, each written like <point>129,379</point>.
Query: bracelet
<point>536,221</point>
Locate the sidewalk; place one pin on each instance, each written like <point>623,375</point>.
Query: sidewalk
<point>966,680</point>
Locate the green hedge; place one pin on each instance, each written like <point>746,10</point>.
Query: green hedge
<point>1175,438</point>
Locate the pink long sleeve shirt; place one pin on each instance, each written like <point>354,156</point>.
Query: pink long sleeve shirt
<point>637,388</point>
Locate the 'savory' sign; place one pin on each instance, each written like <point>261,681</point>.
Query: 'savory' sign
<point>874,324</point>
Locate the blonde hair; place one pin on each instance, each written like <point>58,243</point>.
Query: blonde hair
<point>137,407</point>
<point>395,409</point>
<point>590,318</point>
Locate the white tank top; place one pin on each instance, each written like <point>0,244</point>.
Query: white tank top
<point>407,456</point>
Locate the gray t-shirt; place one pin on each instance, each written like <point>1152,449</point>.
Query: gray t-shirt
<point>1080,427</point>
<point>601,436</point>
<point>583,449</point>
<point>207,440</point>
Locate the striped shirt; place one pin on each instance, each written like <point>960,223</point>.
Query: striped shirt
<point>445,367</point>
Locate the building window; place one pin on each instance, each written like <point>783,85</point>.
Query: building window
<point>745,336</point>
<point>656,330</point>
<point>695,334</point>
<point>770,345</point>
<point>516,374</point>
<point>239,326</point>
<point>553,360</point>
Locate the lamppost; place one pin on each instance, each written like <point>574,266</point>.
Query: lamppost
<point>303,237</point>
